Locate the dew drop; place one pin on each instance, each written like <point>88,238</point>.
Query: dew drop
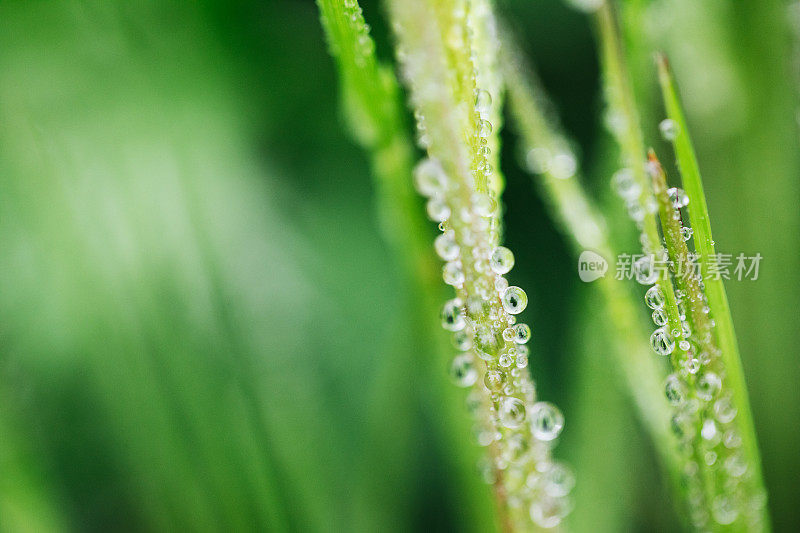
<point>522,333</point>
<point>675,390</point>
<point>548,512</point>
<point>502,260</point>
<point>646,273</point>
<point>546,421</point>
<point>687,233</point>
<point>559,480</point>
<point>484,205</point>
<point>563,165</point>
<point>660,317</point>
<point>708,385</point>
<point>668,129</point>
<point>483,101</point>
<point>662,342</point>
<point>736,465</point>
<point>678,197</point>
<point>446,246</point>
<point>438,211</point>
<point>494,380</point>
<point>463,371</point>
<point>724,510</point>
<point>453,316</point>
<point>487,344</point>
<point>512,412</point>
<point>462,340</point>
<point>484,128</point>
<point>625,184</point>
<point>514,300</point>
<point>724,410</point>
<point>654,297</point>
<point>429,177</point>
<point>453,274</point>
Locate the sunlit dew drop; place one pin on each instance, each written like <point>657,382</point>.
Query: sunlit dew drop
<point>625,184</point>
<point>463,371</point>
<point>684,345</point>
<point>429,177</point>
<point>484,128</point>
<point>708,385</point>
<point>453,274</point>
<point>678,197</point>
<point>654,297</point>
<point>736,465</point>
<point>563,165</point>
<point>692,365</point>
<point>453,316</point>
<point>446,246</point>
<point>522,333</point>
<point>514,300</point>
<point>512,412</point>
<point>660,317</point>
<point>662,342</point>
<point>668,129</point>
<point>646,273</point>
<point>486,342</point>
<point>709,431</point>
<point>546,421</point>
<point>548,512</point>
<point>438,211</point>
<point>674,390</point>
<point>502,260</point>
<point>494,380</point>
<point>686,233</point>
<point>537,160</point>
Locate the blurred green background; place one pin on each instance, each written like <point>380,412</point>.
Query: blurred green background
<point>201,328</point>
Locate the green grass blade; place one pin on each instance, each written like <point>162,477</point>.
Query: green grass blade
<point>714,286</point>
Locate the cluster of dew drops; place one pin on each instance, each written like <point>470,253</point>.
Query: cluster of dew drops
<point>492,354</point>
<point>705,405</point>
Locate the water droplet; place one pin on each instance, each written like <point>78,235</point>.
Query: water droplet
<point>563,165</point>
<point>453,274</point>
<point>514,300</point>
<point>736,465</point>
<point>692,365</point>
<point>654,297</point>
<point>484,205</point>
<point>506,359</point>
<point>522,360</point>
<point>684,345</point>
<point>438,211</point>
<point>502,260</point>
<point>646,273</point>
<point>446,246</point>
<point>662,342</point>
<point>462,340</point>
<point>558,480</point>
<point>512,412</point>
<point>483,101</point>
<point>463,371</point>
<point>625,184</point>
<point>660,317</point>
<point>669,129</point>
<point>484,128</point>
<point>453,316</point>
<point>709,431</point>
<point>548,512</point>
<point>724,410</point>
<point>494,380</point>
<point>687,233</point>
<point>487,344</point>
<point>678,197</point>
<point>708,385</point>
<point>675,390</point>
<point>724,510</point>
<point>522,333</point>
<point>546,421</point>
<point>538,160</point>
<point>731,439</point>
<point>429,177</point>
